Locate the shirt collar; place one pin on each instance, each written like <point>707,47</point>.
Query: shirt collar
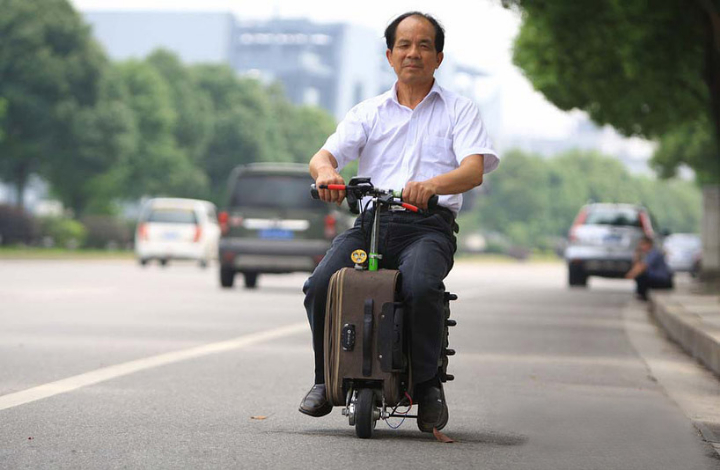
<point>391,95</point>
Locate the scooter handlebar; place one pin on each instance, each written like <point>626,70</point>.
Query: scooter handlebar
<point>432,202</point>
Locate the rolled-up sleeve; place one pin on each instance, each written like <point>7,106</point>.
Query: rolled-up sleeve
<point>349,139</point>
<point>470,136</point>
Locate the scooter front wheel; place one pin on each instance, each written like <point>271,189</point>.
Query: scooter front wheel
<point>366,413</point>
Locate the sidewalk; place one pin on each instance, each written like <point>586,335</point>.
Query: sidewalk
<point>692,319</point>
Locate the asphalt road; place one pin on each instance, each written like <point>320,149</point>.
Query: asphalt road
<point>109,365</point>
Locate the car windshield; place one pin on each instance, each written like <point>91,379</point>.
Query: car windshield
<point>614,216</point>
<point>290,192</point>
<point>172,216</point>
<point>683,241</point>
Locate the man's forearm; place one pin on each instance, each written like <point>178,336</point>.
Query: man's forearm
<point>323,169</point>
<point>322,161</point>
<point>464,178</point>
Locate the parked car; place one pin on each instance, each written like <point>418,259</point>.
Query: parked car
<point>175,228</point>
<point>603,239</point>
<point>271,224</point>
<point>682,250</point>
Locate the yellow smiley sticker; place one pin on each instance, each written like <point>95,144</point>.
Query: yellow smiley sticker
<point>358,256</point>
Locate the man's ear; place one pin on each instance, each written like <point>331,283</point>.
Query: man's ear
<point>440,58</point>
<point>388,54</point>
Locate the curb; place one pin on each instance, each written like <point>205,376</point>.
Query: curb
<point>697,338</point>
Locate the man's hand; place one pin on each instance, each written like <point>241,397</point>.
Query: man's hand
<point>323,168</point>
<point>467,176</point>
<point>638,268</point>
<point>330,176</point>
<point>417,193</point>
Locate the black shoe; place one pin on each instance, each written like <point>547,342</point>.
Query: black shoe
<point>432,408</point>
<point>315,402</point>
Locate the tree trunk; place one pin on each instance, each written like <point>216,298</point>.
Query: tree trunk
<point>710,233</point>
<point>21,179</point>
<point>711,192</point>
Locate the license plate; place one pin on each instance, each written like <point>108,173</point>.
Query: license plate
<point>613,239</point>
<point>171,236</point>
<point>276,233</point>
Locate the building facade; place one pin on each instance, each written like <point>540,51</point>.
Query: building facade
<point>333,66</point>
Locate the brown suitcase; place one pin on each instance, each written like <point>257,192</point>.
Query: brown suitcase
<point>364,334</point>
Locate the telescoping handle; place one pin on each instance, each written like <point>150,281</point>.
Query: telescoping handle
<point>432,202</point>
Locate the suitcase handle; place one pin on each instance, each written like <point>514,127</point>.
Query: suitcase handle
<point>367,338</point>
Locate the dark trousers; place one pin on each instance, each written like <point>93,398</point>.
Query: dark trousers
<point>422,248</point>
<point>645,282</point>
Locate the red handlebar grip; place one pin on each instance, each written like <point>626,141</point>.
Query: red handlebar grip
<point>336,187</point>
<point>410,207</point>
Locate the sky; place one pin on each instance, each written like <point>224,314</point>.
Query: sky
<point>478,33</point>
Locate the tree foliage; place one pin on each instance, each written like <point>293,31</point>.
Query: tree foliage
<point>646,68</point>
<point>101,132</point>
<point>534,199</point>
<point>48,64</point>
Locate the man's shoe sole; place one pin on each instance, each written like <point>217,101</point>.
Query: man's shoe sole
<point>322,411</point>
<point>444,416</point>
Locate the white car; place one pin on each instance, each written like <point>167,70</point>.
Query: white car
<point>682,251</point>
<point>175,228</point>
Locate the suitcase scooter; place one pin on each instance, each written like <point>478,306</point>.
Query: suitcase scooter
<point>367,358</point>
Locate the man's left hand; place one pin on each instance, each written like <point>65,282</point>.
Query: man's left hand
<point>418,193</point>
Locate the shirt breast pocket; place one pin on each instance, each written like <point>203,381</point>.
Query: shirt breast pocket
<point>438,152</point>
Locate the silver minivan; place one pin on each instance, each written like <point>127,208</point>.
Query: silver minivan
<point>603,239</point>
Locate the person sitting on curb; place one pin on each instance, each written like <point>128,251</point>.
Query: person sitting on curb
<point>649,270</point>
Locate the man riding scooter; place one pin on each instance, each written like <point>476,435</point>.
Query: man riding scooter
<point>427,140</point>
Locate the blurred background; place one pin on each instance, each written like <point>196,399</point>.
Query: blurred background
<point>106,104</point>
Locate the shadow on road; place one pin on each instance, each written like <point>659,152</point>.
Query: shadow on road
<point>460,437</point>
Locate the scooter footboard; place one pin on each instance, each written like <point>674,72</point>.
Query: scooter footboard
<point>364,334</point>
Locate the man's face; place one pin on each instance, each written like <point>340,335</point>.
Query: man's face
<point>413,56</point>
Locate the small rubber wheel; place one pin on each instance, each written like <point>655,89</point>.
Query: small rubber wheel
<point>365,413</point>
<point>250,280</point>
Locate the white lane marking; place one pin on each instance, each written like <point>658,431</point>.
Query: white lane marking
<point>107,373</point>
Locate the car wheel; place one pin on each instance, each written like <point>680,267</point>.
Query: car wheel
<point>251,280</point>
<point>227,277</point>
<point>143,261</point>
<point>163,262</point>
<point>203,263</point>
<point>577,277</point>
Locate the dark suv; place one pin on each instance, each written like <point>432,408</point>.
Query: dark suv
<point>271,224</point>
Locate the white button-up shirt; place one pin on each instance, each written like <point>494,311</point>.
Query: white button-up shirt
<point>396,144</point>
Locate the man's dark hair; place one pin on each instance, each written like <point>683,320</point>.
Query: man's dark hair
<point>391,30</point>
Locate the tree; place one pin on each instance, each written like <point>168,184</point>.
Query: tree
<point>245,128</point>
<point>534,199</point>
<point>304,129</point>
<point>48,63</point>
<point>156,166</point>
<point>95,141</point>
<point>517,204</point>
<point>192,106</point>
<point>647,68</point>
<point>3,108</point>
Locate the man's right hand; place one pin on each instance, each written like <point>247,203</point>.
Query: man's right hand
<point>330,176</point>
